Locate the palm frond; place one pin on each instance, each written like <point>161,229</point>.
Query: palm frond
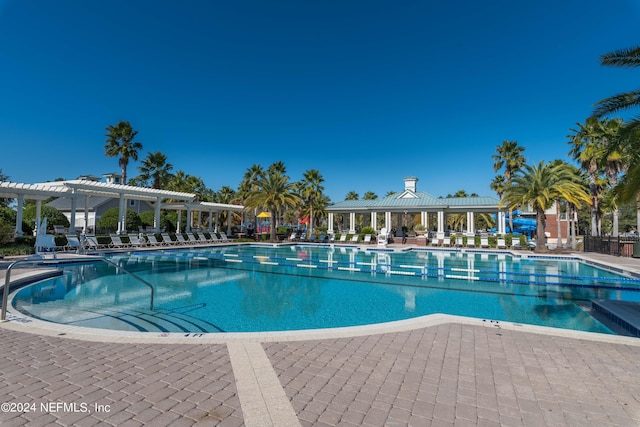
<point>629,57</point>
<point>622,101</point>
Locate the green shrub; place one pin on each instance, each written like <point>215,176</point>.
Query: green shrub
<point>53,215</point>
<point>109,220</point>
<point>367,230</point>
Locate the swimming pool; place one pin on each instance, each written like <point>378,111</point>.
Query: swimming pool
<point>251,288</point>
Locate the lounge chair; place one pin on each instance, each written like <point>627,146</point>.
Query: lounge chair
<point>459,242</point>
<point>343,238</point>
<point>293,237</point>
<point>180,239</point>
<point>136,240</point>
<point>501,244</point>
<point>91,242</point>
<point>213,238</point>
<point>203,239</point>
<point>166,239</point>
<point>116,242</point>
<point>471,242</point>
<point>484,242</point>
<point>192,238</point>
<point>446,241</point>
<point>312,238</point>
<point>515,244</point>
<point>435,241</point>
<point>223,237</point>
<point>332,238</point>
<point>367,238</point>
<point>73,243</point>
<point>151,239</point>
<point>355,238</point>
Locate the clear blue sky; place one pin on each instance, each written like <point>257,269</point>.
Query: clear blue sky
<point>367,92</point>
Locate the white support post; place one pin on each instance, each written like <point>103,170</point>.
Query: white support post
<point>330,223</point>
<point>374,221</point>
<point>122,215</point>
<point>440,222</point>
<point>187,228</point>
<point>38,212</point>
<point>229,223</point>
<point>72,220</point>
<point>352,222</point>
<point>156,215</point>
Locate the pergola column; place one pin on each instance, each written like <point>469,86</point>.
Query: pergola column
<point>38,211</point>
<point>85,229</point>
<point>210,221</point>
<point>374,221</point>
<point>352,222</point>
<point>72,220</point>
<point>387,221</point>
<point>216,228</point>
<point>424,219</point>
<point>501,220</point>
<point>122,215</point>
<point>229,222</point>
<point>156,215</point>
<point>330,225</point>
<point>440,222</point>
<point>179,221</point>
<point>187,228</point>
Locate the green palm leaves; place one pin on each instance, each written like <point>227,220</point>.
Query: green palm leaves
<point>120,143</point>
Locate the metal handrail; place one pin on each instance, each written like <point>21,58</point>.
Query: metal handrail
<point>45,262</point>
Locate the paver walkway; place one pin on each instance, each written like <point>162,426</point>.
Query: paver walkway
<point>449,374</point>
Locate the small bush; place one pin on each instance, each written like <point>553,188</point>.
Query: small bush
<point>109,220</point>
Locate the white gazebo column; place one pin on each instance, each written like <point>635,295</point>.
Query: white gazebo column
<point>352,222</point>
<point>387,221</point>
<point>122,215</point>
<point>156,215</point>
<point>216,228</point>
<point>19,214</point>
<point>210,222</point>
<point>501,220</point>
<point>179,221</point>
<point>440,222</point>
<point>229,222</point>
<point>330,223</point>
<point>374,221</point>
<point>424,219</point>
<point>470,226</point>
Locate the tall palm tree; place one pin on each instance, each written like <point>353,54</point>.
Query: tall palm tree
<point>588,150</point>
<point>539,186</point>
<point>508,156</point>
<point>369,195</point>
<point>274,192</point>
<point>155,168</point>
<point>120,143</point>
<point>312,189</point>
<point>249,184</point>
<point>498,185</point>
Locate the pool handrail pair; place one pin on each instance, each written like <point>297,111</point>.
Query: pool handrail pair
<point>41,262</point>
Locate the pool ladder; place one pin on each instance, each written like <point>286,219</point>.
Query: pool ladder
<point>54,262</point>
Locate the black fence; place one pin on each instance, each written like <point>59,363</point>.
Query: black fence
<point>617,246</point>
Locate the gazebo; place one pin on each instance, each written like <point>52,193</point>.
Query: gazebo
<point>397,207</point>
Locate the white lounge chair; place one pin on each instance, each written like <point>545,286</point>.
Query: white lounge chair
<point>435,241</point>
<point>484,242</point>
<point>459,242</point>
<point>355,238</point>
<point>223,237</point>
<point>501,244</point>
<point>73,243</point>
<point>367,238</point>
<point>180,239</point>
<point>293,237</point>
<point>91,242</point>
<point>343,238</point>
<point>471,241</point>
<point>446,241</point>
<point>192,238</point>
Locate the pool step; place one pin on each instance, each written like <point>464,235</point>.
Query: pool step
<point>625,314</point>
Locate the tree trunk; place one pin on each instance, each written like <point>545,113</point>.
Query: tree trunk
<point>273,226</point>
<point>559,242</point>
<point>594,205</point>
<point>541,242</point>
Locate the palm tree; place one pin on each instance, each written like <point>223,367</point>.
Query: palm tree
<point>498,185</point>
<point>509,155</point>
<point>539,186</point>
<point>352,195</point>
<point>120,143</point>
<point>311,190</point>
<point>155,168</point>
<point>629,57</point>
<point>274,192</point>
<point>249,184</point>
<point>369,195</point>
<point>588,150</point>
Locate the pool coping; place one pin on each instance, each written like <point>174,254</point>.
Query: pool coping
<point>17,321</point>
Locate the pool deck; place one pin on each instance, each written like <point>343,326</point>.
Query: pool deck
<point>436,370</point>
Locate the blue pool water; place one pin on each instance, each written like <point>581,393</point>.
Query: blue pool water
<point>256,288</point>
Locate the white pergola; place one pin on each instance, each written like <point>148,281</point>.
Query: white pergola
<point>81,190</point>
<point>196,208</point>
